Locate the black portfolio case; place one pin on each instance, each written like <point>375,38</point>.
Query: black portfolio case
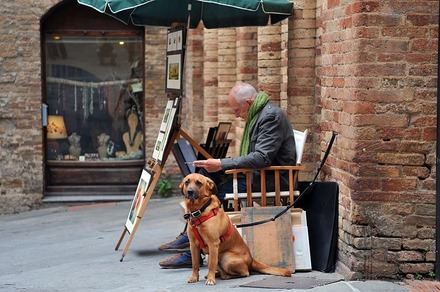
<point>321,206</point>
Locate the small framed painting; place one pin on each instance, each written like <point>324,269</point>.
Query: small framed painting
<point>158,146</point>
<point>222,131</point>
<point>166,129</point>
<point>166,116</point>
<point>169,129</point>
<point>175,39</point>
<point>138,200</point>
<point>174,62</point>
<point>174,73</point>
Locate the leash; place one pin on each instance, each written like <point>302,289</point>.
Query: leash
<point>305,191</point>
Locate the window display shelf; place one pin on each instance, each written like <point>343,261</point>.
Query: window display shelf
<point>95,163</point>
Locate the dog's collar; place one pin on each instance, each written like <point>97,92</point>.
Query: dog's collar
<point>197,213</point>
<point>199,220</point>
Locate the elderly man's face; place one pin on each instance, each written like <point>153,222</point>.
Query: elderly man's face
<point>240,109</point>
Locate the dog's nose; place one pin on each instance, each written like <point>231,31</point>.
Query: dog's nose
<point>191,194</point>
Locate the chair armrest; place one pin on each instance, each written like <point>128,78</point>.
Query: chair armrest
<point>278,167</point>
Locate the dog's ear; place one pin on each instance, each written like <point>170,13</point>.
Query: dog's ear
<point>211,186</point>
<point>181,185</point>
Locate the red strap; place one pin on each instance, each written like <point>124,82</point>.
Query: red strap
<point>199,238</point>
<point>196,222</point>
<point>226,236</point>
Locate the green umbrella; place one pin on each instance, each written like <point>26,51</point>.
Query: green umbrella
<point>213,13</point>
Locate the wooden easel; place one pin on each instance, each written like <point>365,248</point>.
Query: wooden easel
<point>157,166</point>
<point>156,170</point>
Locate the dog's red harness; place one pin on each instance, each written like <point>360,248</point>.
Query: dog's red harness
<point>195,222</point>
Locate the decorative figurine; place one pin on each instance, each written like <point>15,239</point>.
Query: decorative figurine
<point>75,146</point>
<point>132,138</point>
<point>103,139</point>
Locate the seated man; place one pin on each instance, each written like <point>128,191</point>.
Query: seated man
<point>267,140</point>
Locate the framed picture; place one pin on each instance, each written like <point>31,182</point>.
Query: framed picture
<point>222,131</point>
<point>166,127</point>
<point>158,146</point>
<point>170,123</point>
<point>175,55</point>
<point>175,39</point>
<point>138,200</point>
<point>166,115</point>
<point>174,73</point>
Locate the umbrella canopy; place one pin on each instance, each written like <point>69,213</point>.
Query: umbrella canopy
<point>213,13</point>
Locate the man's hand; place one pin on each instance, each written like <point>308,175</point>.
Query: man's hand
<point>211,165</point>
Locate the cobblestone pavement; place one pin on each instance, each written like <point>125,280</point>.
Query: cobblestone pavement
<point>72,248</point>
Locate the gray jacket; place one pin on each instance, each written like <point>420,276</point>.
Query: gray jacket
<point>271,143</point>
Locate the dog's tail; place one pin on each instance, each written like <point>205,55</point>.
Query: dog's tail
<point>265,269</point>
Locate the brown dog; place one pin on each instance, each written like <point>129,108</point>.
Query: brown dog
<point>211,230</point>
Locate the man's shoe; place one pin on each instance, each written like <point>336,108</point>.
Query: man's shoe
<point>180,260</point>
<point>181,243</point>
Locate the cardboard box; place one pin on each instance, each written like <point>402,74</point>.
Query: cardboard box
<point>269,243</point>
<point>299,240</point>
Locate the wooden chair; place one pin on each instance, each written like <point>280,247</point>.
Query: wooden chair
<point>293,171</point>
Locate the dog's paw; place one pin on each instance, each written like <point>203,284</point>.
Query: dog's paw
<point>193,279</point>
<point>217,275</point>
<point>210,282</point>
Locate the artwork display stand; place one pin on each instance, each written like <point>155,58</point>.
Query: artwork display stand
<point>170,129</point>
<point>156,170</point>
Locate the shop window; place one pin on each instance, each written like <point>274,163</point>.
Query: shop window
<point>94,93</point>
<point>93,80</point>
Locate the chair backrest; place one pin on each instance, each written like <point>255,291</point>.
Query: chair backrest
<point>300,141</point>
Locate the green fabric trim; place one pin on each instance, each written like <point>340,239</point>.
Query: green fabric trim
<point>260,101</point>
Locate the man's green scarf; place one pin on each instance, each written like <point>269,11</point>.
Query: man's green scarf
<point>254,111</point>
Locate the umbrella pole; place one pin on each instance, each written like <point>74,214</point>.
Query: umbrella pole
<point>185,36</point>
<point>184,46</point>
<point>189,15</point>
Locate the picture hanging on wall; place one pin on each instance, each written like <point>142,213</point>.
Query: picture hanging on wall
<point>174,62</point>
<point>174,73</point>
<point>175,39</point>
<point>138,199</point>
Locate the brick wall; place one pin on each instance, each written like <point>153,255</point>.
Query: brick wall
<point>21,154</point>
<point>302,96</point>
<point>377,72</point>
<point>155,98</point>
